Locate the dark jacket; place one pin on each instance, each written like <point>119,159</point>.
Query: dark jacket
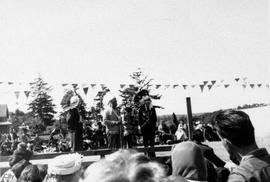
<point>147,119</point>
<point>209,154</point>
<point>73,118</point>
<point>254,167</point>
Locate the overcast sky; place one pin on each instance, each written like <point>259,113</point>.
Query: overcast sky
<point>103,41</point>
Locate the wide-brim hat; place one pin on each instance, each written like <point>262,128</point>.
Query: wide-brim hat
<point>65,164</point>
<point>139,95</point>
<point>74,102</point>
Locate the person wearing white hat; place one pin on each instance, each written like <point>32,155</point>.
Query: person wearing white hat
<point>73,119</point>
<point>65,168</point>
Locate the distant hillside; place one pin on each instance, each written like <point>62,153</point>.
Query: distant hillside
<point>208,116</point>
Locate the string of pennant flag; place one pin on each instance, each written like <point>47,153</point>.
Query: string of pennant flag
<point>244,82</point>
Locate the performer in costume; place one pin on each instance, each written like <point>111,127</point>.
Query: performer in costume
<point>73,120</point>
<point>147,119</point>
<point>113,123</point>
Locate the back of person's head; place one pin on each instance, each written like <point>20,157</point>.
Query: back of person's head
<point>104,171</point>
<point>146,172</point>
<point>198,136</point>
<point>124,166</point>
<point>42,170</point>
<point>236,127</point>
<point>188,161</point>
<point>21,153</point>
<point>222,174</point>
<point>30,174</point>
<point>64,168</point>
<point>138,158</point>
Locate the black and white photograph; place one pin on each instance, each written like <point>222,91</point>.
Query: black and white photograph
<point>134,91</point>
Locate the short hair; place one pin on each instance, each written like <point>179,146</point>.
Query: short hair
<point>198,136</point>
<point>235,126</point>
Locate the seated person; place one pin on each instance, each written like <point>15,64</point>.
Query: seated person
<point>37,143</point>
<point>25,137</point>
<point>165,134</point>
<point>55,138</point>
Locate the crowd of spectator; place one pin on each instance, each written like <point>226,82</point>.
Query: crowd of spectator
<point>95,136</point>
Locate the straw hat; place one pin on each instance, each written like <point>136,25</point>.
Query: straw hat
<point>65,164</point>
<point>74,102</point>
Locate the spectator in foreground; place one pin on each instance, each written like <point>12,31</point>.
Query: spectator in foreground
<point>18,161</point>
<point>64,168</point>
<point>237,134</point>
<point>124,166</point>
<point>207,151</point>
<point>31,173</point>
<point>188,162</point>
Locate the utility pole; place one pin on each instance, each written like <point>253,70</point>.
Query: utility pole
<point>189,118</point>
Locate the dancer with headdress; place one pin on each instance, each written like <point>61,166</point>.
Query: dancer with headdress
<point>147,119</point>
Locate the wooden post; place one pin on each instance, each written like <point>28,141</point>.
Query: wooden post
<point>189,118</point>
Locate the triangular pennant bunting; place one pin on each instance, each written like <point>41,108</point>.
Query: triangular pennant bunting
<point>167,86</point>
<point>259,85</point>
<point>157,86</point>
<point>193,86</point>
<point>93,86</point>
<point>17,93</point>
<point>85,90</point>
<point>209,86</point>
<point>205,82</point>
<point>213,82</point>
<point>267,85</point>
<point>201,87</point>
<point>122,85</point>
<point>252,85</point>
<point>237,79</point>
<point>103,86</point>
<point>10,83</point>
<point>226,85</point>
<point>74,85</point>
<point>174,86</point>
<point>244,85</point>
<point>64,84</point>
<point>27,94</point>
<point>184,86</point>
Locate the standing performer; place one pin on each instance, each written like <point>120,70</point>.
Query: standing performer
<point>113,123</point>
<point>74,124</point>
<point>147,119</point>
